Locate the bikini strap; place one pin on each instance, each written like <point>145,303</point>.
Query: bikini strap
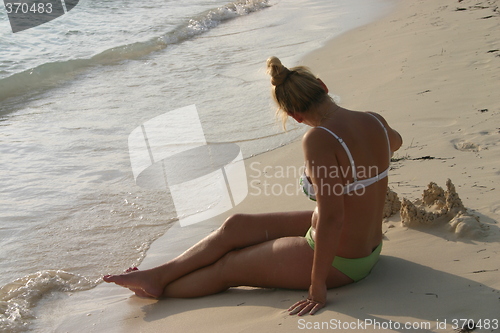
<point>348,152</point>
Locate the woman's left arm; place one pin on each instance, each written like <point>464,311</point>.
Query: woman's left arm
<point>325,173</point>
<point>328,229</point>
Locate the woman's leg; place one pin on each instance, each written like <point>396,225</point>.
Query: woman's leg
<point>280,263</point>
<point>237,232</point>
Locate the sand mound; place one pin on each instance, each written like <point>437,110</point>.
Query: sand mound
<point>392,203</point>
<point>438,207</point>
<point>464,224</point>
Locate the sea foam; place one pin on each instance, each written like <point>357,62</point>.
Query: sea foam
<point>18,298</point>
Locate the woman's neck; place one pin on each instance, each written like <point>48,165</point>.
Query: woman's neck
<point>322,113</point>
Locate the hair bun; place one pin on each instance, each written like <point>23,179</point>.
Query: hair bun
<point>278,72</point>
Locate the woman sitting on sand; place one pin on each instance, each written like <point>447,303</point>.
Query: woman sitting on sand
<point>347,155</point>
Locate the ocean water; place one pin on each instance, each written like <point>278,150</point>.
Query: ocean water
<point>73,90</point>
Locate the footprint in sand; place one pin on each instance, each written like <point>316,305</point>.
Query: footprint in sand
<point>466,146</point>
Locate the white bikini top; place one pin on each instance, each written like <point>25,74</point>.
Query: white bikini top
<point>308,188</point>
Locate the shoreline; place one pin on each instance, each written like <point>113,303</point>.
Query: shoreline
<point>425,274</point>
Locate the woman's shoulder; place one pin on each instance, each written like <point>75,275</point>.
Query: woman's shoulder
<point>314,134</point>
<point>395,138</point>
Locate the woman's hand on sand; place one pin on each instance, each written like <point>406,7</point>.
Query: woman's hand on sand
<point>315,302</point>
<point>306,306</point>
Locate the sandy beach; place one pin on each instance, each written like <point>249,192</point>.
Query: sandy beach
<point>432,69</point>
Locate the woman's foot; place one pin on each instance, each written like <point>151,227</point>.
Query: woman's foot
<point>138,292</point>
<point>142,283</point>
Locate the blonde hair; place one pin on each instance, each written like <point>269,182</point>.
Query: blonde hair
<point>295,90</point>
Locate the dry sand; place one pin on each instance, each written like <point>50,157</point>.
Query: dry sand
<point>431,68</point>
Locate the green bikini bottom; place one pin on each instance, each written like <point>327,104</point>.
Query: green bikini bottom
<point>356,269</point>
